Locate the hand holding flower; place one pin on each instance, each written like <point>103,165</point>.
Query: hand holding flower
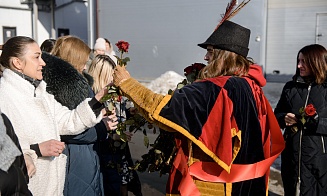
<point>120,75</point>
<point>290,119</point>
<point>308,118</point>
<point>101,93</point>
<point>111,122</point>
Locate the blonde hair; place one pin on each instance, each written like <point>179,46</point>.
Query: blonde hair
<point>73,50</point>
<point>101,69</point>
<point>225,63</point>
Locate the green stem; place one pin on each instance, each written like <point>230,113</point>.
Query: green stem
<point>121,58</point>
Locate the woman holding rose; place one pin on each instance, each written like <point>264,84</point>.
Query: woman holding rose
<point>302,111</point>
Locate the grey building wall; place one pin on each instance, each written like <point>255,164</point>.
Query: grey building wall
<point>164,34</point>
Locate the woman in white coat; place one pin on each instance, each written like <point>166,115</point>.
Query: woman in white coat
<point>37,117</point>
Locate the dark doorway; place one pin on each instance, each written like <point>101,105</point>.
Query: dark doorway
<point>63,32</point>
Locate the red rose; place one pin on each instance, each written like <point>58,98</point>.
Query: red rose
<point>310,110</point>
<point>198,66</point>
<point>188,70</point>
<point>119,98</point>
<point>122,46</point>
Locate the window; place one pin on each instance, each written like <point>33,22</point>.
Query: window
<point>8,32</point>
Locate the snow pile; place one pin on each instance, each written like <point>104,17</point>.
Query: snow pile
<point>166,81</point>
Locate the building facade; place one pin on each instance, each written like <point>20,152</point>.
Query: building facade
<point>43,19</point>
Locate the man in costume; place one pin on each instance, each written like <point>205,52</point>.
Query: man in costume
<point>226,133</point>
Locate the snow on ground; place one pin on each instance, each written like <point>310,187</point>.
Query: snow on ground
<point>166,81</point>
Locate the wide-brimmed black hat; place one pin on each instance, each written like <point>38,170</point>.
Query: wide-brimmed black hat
<point>229,36</point>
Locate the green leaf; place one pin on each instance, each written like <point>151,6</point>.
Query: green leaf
<point>125,60</point>
<point>112,93</point>
<point>119,132</point>
<point>303,120</point>
<point>129,122</point>
<point>180,85</point>
<point>146,141</point>
<point>111,106</point>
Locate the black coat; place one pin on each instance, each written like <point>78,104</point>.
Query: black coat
<point>14,181</point>
<point>70,88</point>
<point>313,145</point>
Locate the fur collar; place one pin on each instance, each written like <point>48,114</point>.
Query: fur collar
<point>68,86</point>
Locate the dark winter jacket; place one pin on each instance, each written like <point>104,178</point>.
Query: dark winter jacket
<point>69,87</point>
<point>307,146</point>
<point>14,181</point>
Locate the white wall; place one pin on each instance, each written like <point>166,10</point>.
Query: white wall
<point>291,26</point>
<point>72,16</point>
<point>12,3</point>
<point>14,14</point>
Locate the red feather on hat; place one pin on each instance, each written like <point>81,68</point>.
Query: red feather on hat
<point>230,11</point>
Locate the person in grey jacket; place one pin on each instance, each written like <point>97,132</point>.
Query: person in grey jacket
<point>13,172</point>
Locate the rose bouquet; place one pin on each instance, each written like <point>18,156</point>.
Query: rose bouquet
<point>191,73</point>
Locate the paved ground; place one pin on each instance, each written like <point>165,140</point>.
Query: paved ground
<point>154,185</point>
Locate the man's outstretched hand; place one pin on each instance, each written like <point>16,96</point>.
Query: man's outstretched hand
<point>120,75</point>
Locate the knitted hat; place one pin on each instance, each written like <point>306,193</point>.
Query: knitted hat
<point>229,36</point>
<point>100,44</point>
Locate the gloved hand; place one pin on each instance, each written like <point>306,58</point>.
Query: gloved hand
<point>120,75</point>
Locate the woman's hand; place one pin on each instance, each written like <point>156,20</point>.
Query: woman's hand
<point>111,121</point>
<point>120,75</point>
<point>29,165</point>
<point>51,148</point>
<point>101,93</point>
<point>290,119</point>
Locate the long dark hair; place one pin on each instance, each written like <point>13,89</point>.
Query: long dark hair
<point>14,47</point>
<point>315,57</point>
